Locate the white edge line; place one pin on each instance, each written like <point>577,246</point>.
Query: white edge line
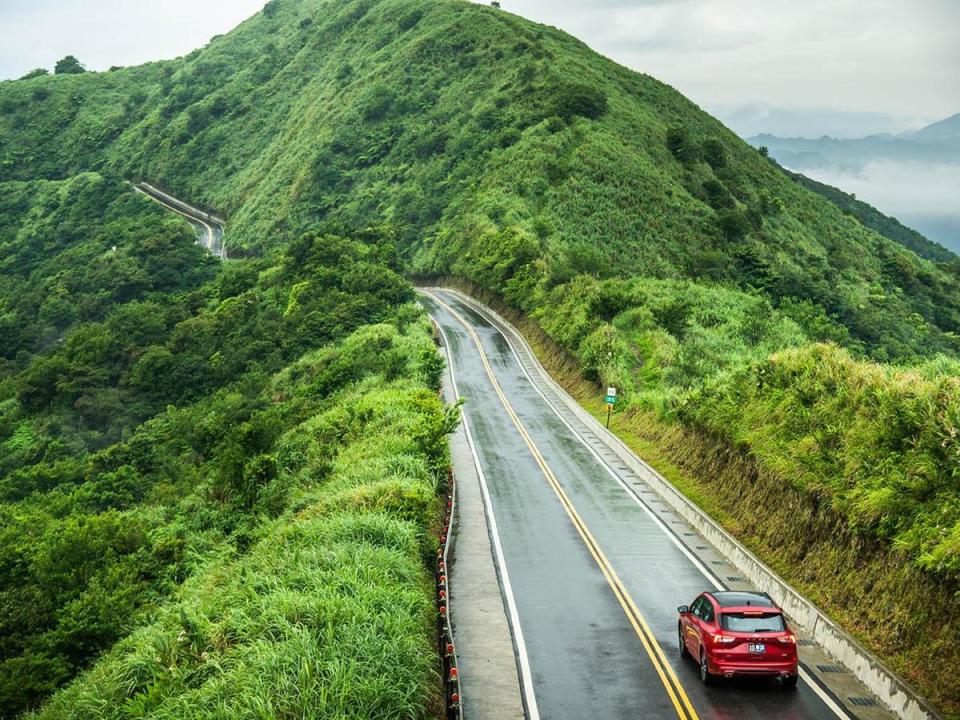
<point>707,573</point>
<point>827,700</point>
<point>533,712</point>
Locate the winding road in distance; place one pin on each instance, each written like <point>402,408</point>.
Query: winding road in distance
<point>596,575</point>
<point>209,225</point>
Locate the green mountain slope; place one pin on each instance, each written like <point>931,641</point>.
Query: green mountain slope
<point>650,244</point>
<point>471,130</point>
<point>167,423</point>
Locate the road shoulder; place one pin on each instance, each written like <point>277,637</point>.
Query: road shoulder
<point>485,651</point>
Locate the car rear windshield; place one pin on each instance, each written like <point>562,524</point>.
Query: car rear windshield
<point>752,623</point>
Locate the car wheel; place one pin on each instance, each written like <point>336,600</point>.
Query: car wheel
<point>683,646</point>
<point>789,682</point>
<point>705,674</point>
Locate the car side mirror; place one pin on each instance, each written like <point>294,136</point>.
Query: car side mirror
<point>683,609</point>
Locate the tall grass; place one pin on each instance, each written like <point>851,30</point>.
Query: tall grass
<point>881,445</point>
<point>329,614</point>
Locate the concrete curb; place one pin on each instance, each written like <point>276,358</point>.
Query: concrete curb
<point>481,631</point>
<point>894,692</point>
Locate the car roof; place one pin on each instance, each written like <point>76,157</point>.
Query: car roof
<point>732,598</point>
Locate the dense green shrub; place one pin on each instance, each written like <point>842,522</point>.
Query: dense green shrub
<point>39,72</point>
<point>574,100</point>
<point>734,224</point>
<point>714,154</point>
<point>718,197</point>
<point>69,65</point>
<point>681,145</point>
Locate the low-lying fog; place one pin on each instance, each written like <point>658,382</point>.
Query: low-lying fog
<point>924,196</point>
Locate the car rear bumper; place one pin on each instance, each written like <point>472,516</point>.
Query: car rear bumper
<point>729,669</point>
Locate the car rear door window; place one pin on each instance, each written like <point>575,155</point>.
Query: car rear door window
<point>752,623</point>
<point>706,612</point>
<point>697,607</point>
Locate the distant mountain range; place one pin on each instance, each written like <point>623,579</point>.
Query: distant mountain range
<point>936,143</point>
<point>913,175</point>
<point>945,132</point>
<point>754,119</point>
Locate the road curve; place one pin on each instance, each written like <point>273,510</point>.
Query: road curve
<point>209,226</point>
<point>594,579</point>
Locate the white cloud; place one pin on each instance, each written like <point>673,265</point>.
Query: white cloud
<point>101,33</point>
<point>901,187</point>
<point>899,57</point>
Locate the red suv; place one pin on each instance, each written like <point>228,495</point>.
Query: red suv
<point>738,633</point>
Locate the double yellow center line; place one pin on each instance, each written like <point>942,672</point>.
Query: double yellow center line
<point>670,681</point>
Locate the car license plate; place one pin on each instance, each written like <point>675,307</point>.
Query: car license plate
<point>757,648</point>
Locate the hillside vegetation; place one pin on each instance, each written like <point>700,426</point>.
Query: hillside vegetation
<point>500,150</point>
<point>654,247</point>
<point>887,226</point>
<point>213,473</point>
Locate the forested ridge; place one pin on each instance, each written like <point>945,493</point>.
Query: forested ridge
<point>406,137</point>
<point>887,226</point>
<point>167,423</point>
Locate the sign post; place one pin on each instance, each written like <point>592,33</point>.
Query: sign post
<point>610,400</point>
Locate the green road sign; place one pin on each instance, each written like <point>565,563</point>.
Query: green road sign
<point>610,399</point>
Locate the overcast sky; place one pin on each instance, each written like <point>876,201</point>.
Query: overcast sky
<point>897,58</point>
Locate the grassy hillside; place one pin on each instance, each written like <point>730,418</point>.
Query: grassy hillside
<point>174,432</point>
<point>322,605</point>
<point>878,444</point>
<point>661,252</point>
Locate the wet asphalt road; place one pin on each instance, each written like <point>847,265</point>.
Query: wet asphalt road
<point>585,657</point>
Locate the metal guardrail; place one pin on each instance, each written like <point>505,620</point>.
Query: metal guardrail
<point>160,194</point>
<point>213,225</point>
<point>446,649</point>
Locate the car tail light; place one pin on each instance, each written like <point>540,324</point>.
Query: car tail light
<point>723,639</point>
<point>789,639</point>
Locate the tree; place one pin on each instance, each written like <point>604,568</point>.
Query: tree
<point>39,72</point>
<point>714,153</point>
<point>270,9</point>
<point>69,66</point>
<point>679,143</point>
